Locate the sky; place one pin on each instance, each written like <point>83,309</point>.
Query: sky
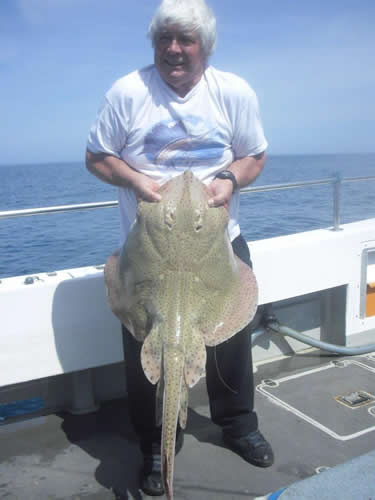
<point>311,63</point>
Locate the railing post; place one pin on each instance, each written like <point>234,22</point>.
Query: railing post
<point>337,182</point>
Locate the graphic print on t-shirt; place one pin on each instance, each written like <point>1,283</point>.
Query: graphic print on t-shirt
<point>183,144</point>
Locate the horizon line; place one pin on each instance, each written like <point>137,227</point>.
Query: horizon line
<point>59,162</point>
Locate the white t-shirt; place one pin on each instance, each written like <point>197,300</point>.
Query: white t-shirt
<point>146,124</point>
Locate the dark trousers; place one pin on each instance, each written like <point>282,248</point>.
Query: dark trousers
<point>229,378</point>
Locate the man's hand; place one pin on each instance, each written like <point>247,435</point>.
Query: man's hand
<point>221,191</point>
<point>145,188</point>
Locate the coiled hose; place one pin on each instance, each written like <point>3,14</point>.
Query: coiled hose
<point>270,323</point>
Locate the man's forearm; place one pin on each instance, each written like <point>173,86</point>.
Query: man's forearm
<point>110,169</point>
<point>247,169</point>
<point>118,173</point>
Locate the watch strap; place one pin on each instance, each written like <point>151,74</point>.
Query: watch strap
<point>228,175</point>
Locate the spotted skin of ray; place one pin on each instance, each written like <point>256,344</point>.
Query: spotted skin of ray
<point>178,287</point>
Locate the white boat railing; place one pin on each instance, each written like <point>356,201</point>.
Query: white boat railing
<point>336,182</point>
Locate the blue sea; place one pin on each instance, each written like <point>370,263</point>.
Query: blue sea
<point>46,243</point>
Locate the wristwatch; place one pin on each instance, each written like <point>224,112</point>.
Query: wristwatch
<point>227,174</point>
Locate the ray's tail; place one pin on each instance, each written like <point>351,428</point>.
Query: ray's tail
<point>174,386</point>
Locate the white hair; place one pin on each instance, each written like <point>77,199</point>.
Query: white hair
<point>189,15</point>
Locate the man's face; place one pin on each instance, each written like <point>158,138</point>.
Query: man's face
<point>179,59</point>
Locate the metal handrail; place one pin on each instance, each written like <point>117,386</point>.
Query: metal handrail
<point>334,181</point>
<point>52,210</point>
<point>291,185</point>
<point>286,185</point>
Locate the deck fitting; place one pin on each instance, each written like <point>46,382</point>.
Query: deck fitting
<point>355,399</point>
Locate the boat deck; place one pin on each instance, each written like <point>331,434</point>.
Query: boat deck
<point>96,456</point>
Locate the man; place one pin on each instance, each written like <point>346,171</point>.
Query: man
<point>176,114</point>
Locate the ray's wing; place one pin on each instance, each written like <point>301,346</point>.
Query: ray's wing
<point>226,298</point>
<point>133,280</point>
<point>115,287</point>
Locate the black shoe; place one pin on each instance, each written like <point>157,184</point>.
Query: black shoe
<point>253,448</point>
<point>151,481</point>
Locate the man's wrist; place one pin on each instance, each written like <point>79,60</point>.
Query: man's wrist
<point>228,175</point>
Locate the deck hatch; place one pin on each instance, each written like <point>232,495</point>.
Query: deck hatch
<point>334,397</point>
